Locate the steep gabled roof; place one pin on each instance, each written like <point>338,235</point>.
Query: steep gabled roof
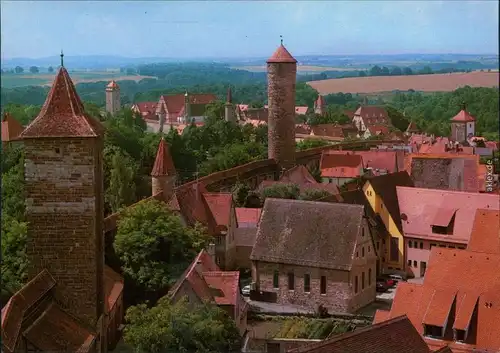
<point>280,56</point>
<point>485,235</point>
<point>463,117</point>
<point>307,233</point>
<point>412,127</point>
<point>11,128</point>
<point>63,114</point>
<point>220,204</point>
<point>298,175</point>
<point>320,101</point>
<point>393,336</point>
<point>164,165</point>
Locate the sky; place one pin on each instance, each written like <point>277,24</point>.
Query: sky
<point>201,29</point>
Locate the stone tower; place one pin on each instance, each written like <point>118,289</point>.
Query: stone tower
<point>187,109</point>
<point>281,78</point>
<point>163,174</point>
<point>463,125</point>
<point>112,97</point>
<point>229,108</point>
<point>319,105</point>
<point>63,150</point>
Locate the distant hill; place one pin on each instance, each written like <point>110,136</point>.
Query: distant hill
<point>93,62</point>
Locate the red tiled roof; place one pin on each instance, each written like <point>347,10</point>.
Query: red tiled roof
<point>372,112</point>
<point>11,128</point>
<point>302,129</point>
<point>146,108</point>
<point>473,277</point>
<point>113,287</point>
<point>463,117</point>
<point>301,110</point>
<point>485,235</point>
<point>340,165</point>
<point>492,144</point>
<point>320,101</point>
<point>392,336</point>
<point>419,216</point>
<point>56,331</point>
<point>378,129</point>
<point>248,217</point>
<point>439,307</point>
<point>378,160</point>
<point>63,114</point>
<point>443,216</point>
<point>298,175</point>
<point>281,55</point>
<point>412,127</point>
<point>175,103</point>
<point>330,130</point>
<point>228,282</point>
<point>164,164</point>
<point>113,85</point>
<point>220,204</point>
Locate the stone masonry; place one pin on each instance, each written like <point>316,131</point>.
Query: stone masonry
<point>281,77</point>
<point>64,208</point>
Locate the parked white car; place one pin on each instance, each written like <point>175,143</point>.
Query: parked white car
<point>245,290</point>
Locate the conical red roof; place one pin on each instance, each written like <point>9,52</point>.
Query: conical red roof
<point>320,102</point>
<point>62,114</point>
<point>11,128</point>
<point>464,117</point>
<point>113,85</point>
<point>163,163</point>
<point>281,55</point>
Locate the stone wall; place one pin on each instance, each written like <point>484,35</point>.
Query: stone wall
<point>338,290</point>
<point>64,209</point>
<point>281,78</point>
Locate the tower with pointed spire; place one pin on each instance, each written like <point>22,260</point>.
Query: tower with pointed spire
<point>229,112</point>
<point>163,175</point>
<point>63,170</point>
<point>281,79</point>
<point>112,97</point>
<point>463,125</point>
<point>319,105</point>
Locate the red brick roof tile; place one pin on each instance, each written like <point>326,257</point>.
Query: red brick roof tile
<point>378,129</point>
<point>301,110</point>
<point>371,112</point>
<point>473,276</point>
<point>417,217</point>
<point>438,309</point>
<point>113,85</point>
<point>113,287</point>
<point>228,282</point>
<point>412,127</point>
<point>11,128</point>
<point>393,336</point>
<point>146,108</point>
<point>164,165</point>
<point>340,165</point>
<point>220,204</point>
<point>63,114</point>
<point>463,116</point>
<point>330,130</point>
<point>298,175</point>
<point>56,331</point>
<point>281,55</point>
<point>247,217</point>
<point>443,216</point>
<point>175,103</point>
<point>485,235</point>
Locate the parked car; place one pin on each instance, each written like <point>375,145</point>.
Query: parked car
<point>387,280</point>
<point>381,287</point>
<point>245,291</point>
<point>397,278</point>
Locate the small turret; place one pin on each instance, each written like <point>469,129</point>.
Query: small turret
<point>163,175</point>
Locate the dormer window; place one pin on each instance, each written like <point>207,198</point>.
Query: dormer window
<point>444,221</point>
<point>459,335</point>
<point>433,331</point>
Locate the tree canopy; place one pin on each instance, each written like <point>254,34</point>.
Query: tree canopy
<point>177,327</point>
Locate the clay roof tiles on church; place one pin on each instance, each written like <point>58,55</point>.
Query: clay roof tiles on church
<point>63,114</point>
<point>11,128</point>
<point>280,56</point>
<point>164,164</point>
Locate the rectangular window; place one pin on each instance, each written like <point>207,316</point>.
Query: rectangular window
<point>433,331</point>
<point>409,262</point>
<point>394,249</point>
<point>356,284</point>
<point>432,245</point>
<point>363,251</point>
<point>276,279</point>
<point>415,264</point>
<point>369,248</point>
<point>307,283</point>
<point>369,277</point>
<point>421,245</point>
<point>378,245</point>
<point>323,285</point>
<point>362,281</point>
<point>459,335</point>
<point>410,243</point>
<point>363,232</point>
<point>291,281</point>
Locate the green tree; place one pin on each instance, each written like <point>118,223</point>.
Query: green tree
<point>154,246</point>
<point>176,327</point>
<point>280,191</point>
<point>121,189</point>
<point>14,260</point>
<point>34,69</point>
<point>240,193</point>
<point>398,120</point>
<point>50,69</point>
<point>18,70</point>
<point>13,192</point>
<point>314,195</point>
<point>396,71</point>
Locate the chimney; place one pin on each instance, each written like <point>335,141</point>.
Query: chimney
<point>211,251</point>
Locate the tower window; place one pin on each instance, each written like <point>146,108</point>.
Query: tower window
<point>57,150</point>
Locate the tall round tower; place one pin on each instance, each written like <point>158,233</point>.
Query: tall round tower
<point>281,78</point>
<point>112,97</point>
